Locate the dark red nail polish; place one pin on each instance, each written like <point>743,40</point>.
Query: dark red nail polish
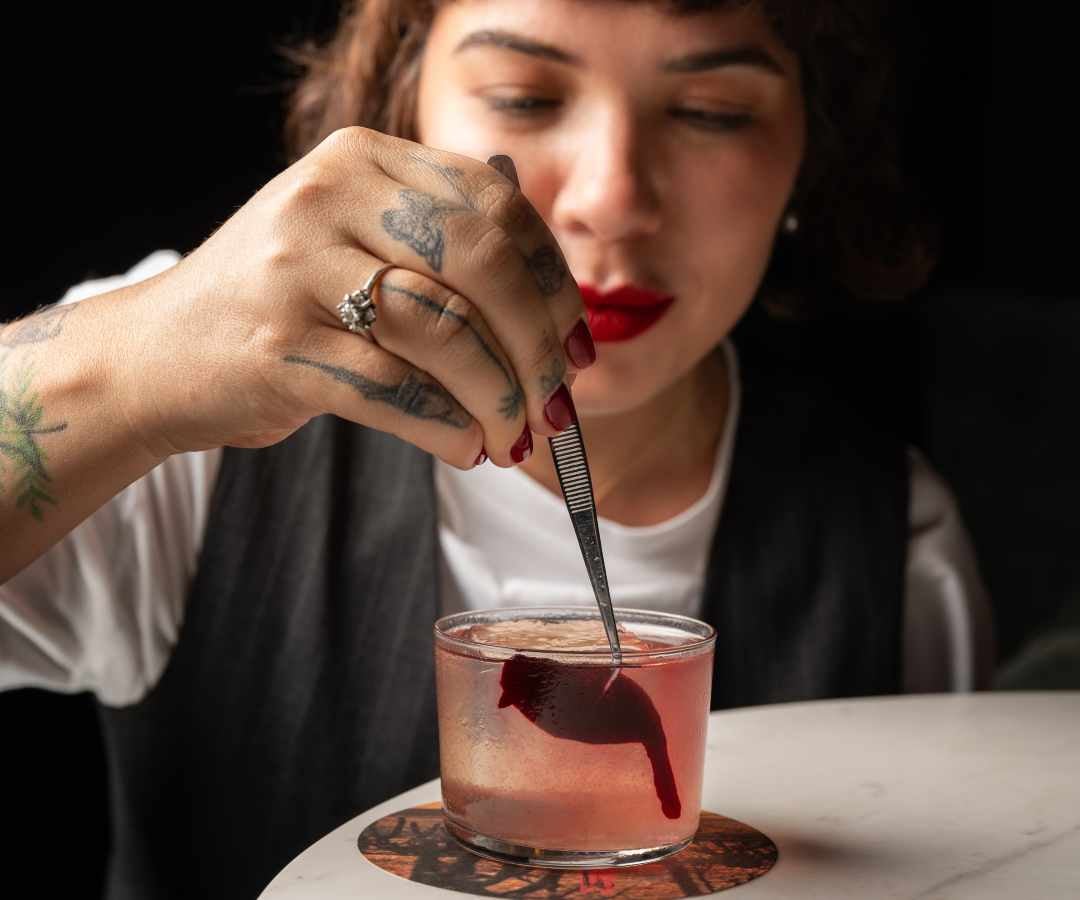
<point>580,347</point>
<point>482,458</point>
<point>559,411</point>
<point>505,165</point>
<point>522,449</point>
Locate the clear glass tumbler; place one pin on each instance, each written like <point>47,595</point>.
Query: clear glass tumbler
<point>551,757</point>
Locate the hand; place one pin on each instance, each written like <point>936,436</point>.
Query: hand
<point>469,352</point>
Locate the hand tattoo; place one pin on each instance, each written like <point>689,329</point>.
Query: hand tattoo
<point>510,404</point>
<point>21,415</point>
<point>414,396</point>
<point>452,175</point>
<point>553,377</point>
<point>419,225</point>
<point>548,270</point>
<point>545,264</point>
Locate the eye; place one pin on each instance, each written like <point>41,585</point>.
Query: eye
<point>712,121</point>
<point>521,106</point>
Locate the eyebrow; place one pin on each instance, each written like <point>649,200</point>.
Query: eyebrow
<point>507,40</point>
<point>751,55</point>
<point>744,55</point>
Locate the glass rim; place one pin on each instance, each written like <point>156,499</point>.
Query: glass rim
<point>697,644</point>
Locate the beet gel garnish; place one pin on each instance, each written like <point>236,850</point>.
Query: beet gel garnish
<point>571,702</point>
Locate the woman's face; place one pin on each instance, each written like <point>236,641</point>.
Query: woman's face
<point>661,150</point>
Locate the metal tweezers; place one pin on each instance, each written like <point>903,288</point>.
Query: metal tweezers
<point>572,468</point>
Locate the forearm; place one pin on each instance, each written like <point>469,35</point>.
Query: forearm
<point>68,441</point>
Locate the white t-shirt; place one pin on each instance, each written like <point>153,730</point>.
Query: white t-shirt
<point>101,610</point>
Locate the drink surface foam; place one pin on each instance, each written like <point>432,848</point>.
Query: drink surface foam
<point>574,635</point>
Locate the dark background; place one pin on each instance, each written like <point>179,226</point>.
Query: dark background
<point>127,134</point>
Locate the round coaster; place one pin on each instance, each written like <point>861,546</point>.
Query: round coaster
<point>413,844</point>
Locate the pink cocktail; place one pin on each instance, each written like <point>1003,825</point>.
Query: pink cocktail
<point>550,756</point>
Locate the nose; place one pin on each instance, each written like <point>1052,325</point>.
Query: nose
<point>611,186</point>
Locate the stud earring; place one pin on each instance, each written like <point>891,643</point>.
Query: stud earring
<point>790,224</point>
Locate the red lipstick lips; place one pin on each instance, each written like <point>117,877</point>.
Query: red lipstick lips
<point>623,313</point>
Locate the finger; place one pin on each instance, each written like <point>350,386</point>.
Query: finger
<point>549,272</point>
<point>443,220</point>
<point>508,207</point>
<point>471,255</point>
<point>344,374</point>
<point>441,332</point>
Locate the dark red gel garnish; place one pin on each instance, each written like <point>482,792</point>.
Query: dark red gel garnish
<point>570,702</point>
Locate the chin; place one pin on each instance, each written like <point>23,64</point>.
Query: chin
<point>599,391</point>
<point>621,382</point>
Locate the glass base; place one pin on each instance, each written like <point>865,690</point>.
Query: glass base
<point>520,855</point>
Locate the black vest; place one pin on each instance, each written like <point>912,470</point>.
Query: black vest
<point>301,689</point>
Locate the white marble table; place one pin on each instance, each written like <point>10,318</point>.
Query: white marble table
<point>930,797</point>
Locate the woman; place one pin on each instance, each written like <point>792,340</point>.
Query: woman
<point>257,623</point>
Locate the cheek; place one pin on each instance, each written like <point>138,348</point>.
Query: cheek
<point>731,217</point>
<point>439,123</point>
<point>743,191</point>
<point>733,203</point>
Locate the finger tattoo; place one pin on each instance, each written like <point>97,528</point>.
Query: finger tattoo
<point>546,264</point>
<point>452,175</point>
<point>548,270</point>
<point>414,396</point>
<point>420,225</point>
<point>553,377</point>
<point>510,404</point>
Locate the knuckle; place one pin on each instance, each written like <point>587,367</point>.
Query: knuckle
<point>443,314</point>
<point>333,142</point>
<point>348,139</point>
<point>270,341</point>
<point>496,254</point>
<point>309,190</point>
<point>466,448</point>
<point>504,204</point>
<point>456,317</point>
<point>280,256</point>
<point>350,149</point>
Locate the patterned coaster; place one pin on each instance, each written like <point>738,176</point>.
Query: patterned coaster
<point>413,844</point>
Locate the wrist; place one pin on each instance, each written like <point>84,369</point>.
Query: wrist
<point>136,389</point>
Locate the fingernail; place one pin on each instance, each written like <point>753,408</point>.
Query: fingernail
<point>505,165</point>
<point>559,411</point>
<point>580,347</point>
<point>522,449</point>
<point>481,459</point>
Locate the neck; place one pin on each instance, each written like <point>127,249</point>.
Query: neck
<point>650,463</point>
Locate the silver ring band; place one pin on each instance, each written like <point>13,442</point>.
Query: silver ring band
<point>357,308</point>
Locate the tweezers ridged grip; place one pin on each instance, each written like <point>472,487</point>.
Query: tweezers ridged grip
<point>572,469</point>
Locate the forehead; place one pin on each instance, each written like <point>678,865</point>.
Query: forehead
<point>641,26</point>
